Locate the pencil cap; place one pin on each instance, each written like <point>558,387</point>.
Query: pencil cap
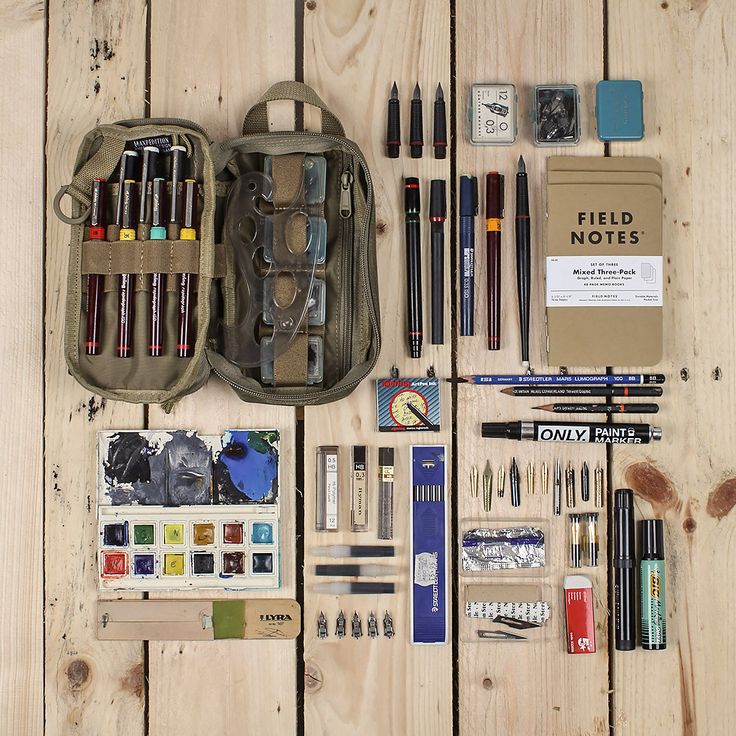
<point>652,539</point>
<point>411,195</point>
<point>437,200</point>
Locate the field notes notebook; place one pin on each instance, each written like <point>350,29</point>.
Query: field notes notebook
<point>604,261</point>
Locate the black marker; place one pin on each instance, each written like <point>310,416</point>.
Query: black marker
<point>592,432</point>
<point>624,582</point>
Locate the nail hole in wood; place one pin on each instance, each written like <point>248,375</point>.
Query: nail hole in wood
<point>717,373</point>
<point>684,374</point>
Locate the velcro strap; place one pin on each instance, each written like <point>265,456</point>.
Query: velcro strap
<point>290,367</point>
<point>147,256</point>
<point>287,172</point>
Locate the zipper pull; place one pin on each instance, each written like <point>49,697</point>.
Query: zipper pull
<point>346,197</point>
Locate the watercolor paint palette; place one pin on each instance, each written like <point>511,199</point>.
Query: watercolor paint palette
<point>178,510</point>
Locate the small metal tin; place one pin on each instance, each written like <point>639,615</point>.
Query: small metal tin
<point>492,114</point>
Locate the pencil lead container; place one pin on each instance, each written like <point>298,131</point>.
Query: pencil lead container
<point>556,115</point>
<point>619,110</point>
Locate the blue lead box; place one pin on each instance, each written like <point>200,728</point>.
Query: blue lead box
<point>619,110</point>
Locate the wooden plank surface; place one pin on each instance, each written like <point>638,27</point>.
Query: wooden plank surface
<point>516,688</point>
<point>96,72</point>
<point>684,51</point>
<point>353,51</point>
<point>21,347</point>
<point>237,51</point>
<point>209,63</point>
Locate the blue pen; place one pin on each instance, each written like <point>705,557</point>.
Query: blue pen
<point>560,379</point>
<point>468,212</point>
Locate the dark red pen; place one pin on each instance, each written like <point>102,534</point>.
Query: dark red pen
<point>186,280</point>
<point>127,281</point>
<point>94,280</point>
<point>494,215</point>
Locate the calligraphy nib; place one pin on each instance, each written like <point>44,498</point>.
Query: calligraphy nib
<point>417,93</point>
<point>522,165</point>
<point>439,95</point>
<point>394,92</point>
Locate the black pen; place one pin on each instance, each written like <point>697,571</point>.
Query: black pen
<point>599,408</point>
<point>523,258</point>
<point>468,211</point>
<point>437,217</point>
<point>583,391</point>
<point>413,267</point>
<point>624,573</point>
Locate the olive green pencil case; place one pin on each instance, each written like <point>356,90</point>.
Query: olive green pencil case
<point>270,272</point>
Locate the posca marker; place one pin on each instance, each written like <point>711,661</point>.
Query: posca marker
<point>590,432</point>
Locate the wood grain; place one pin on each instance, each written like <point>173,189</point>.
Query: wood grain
<point>353,51</point>
<point>21,347</point>
<point>683,51</point>
<point>515,688</point>
<point>96,72</point>
<point>237,51</point>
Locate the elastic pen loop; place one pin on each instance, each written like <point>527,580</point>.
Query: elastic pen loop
<point>68,219</point>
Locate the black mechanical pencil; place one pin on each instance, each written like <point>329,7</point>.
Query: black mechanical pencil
<point>591,432</point>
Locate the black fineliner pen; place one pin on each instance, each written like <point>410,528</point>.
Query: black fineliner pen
<point>592,432</point>
<point>624,572</point>
<point>468,212</point>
